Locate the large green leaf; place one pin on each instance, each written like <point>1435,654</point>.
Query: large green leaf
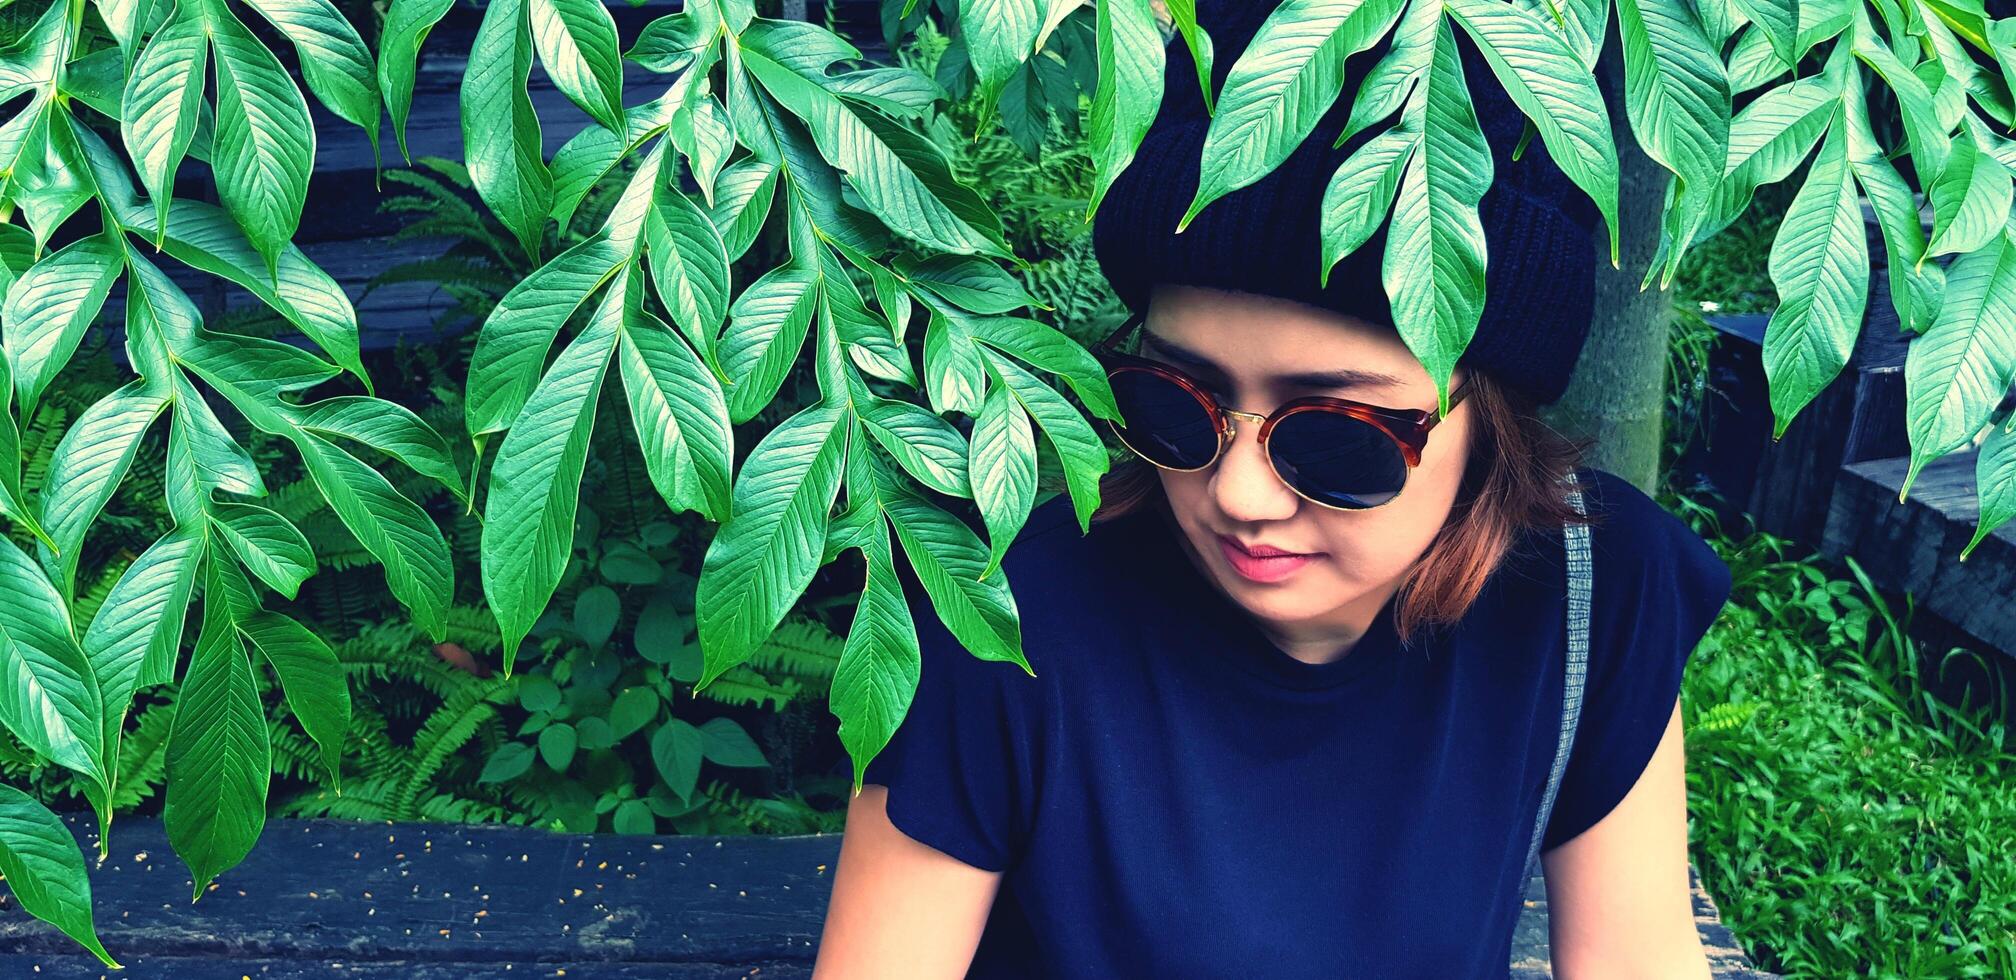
<point>1930,144</point>
<point>13,501</point>
<point>407,24</point>
<point>1000,35</point>
<point>219,462</point>
<point>162,99</point>
<point>1284,81</point>
<point>51,700</point>
<point>953,376</point>
<point>500,130</point>
<point>1995,475</point>
<point>535,485</point>
<point>202,236</point>
<point>1129,92</point>
<point>1083,456</point>
<point>334,60</point>
<point>592,153</point>
<point>763,558</point>
<point>392,528</point>
<point>888,181</point>
<point>88,465</point>
<point>680,415</point>
<point>1433,269</point>
<point>742,196</point>
<point>519,331</point>
<point>1676,93</point>
<point>268,545</point>
<point>389,428</point>
<point>1956,373</point>
<point>1970,200</point>
<point>1916,289</point>
<point>928,447</point>
<point>689,265</point>
<point>877,675</point>
<point>45,870</point>
<point>265,142</point>
<point>1556,90</point>
<point>1002,467</point>
<point>136,635</point>
<point>576,41</point>
<point>219,760</point>
<point>317,691</point>
<point>669,43</point>
<point>1360,194</point>
<point>970,282</point>
<point>948,559</point>
<point>766,330</point>
<point>1820,264</point>
<point>49,308</point>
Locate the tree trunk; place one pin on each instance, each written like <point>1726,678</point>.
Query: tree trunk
<point>1617,394</point>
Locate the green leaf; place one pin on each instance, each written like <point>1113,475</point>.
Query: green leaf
<point>969,282</point>
<point>556,745</point>
<point>877,675</point>
<point>576,41</point>
<point>334,61</point>
<point>675,751</point>
<point>766,554</point>
<point>51,701</point>
<point>510,761</point>
<point>48,309</point>
<point>1676,92</point>
<point>634,817</point>
<point>689,265</point>
<point>680,416</point>
<point>742,197</point>
<point>1184,14</point>
<point>389,428</point>
<point>1284,81</point>
<point>136,636</point>
<point>928,447</point>
<point>634,708</point>
<point>953,376</point>
<point>1000,35</point>
<point>1752,62</point>
<point>724,743</point>
<point>88,465</point>
<point>1916,290</point>
<point>1003,472</point>
<point>268,544</point>
<point>1083,456</point>
<point>1556,90</point>
<point>592,153</point>
<point>703,135</point>
<point>595,613</point>
<point>766,330</point>
<point>265,142</point>
<point>1360,194</point>
<point>1778,22</point>
<point>888,180</point>
<point>1995,475</point>
<point>317,689</point>
<point>45,870</point>
<point>12,497</point>
<point>1930,144</point>
<point>220,463</point>
<point>1433,268</point>
<point>1129,93</point>
<point>535,485</point>
<point>1956,373</point>
<point>1052,350</point>
<point>1820,264</point>
<point>512,347</point>
<point>392,528</point>
<point>1970,201</point>
<point>669,43</point>
<point>948,559</point>
<point>219,760</point>
<point>162,99</point>
<point>203,237</point>
<point>407,24</point>
<point>500,130</point>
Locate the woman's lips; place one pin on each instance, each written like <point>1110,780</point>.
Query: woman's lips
<point>1259,569</point>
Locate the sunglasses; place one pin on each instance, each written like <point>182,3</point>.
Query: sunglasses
<point>1333,452</point>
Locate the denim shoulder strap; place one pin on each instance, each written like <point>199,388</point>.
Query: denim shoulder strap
<point>1576,539</point>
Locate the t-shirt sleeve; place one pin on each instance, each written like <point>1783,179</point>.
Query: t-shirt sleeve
<point>961,768</point>
<point>1658,587</point>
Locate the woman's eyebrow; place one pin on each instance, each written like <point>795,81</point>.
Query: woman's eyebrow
<point>1338,378</point>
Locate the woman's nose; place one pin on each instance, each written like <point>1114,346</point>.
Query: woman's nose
<point>1244,483</point>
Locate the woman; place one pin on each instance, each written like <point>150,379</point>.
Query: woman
<point>1338,762</point>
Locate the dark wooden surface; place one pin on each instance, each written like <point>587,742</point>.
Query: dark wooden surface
<point>327,898</point>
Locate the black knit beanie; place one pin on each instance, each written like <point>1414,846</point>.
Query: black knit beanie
<point>1540,250</point>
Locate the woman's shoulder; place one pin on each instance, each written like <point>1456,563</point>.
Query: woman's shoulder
<point>1631,530</point>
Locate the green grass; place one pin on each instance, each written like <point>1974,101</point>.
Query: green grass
<point>1847,820</point>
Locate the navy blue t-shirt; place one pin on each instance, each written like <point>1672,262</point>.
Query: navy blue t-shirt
<point>1172,795</point>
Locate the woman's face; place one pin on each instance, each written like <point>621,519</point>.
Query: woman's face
<point>1250,342</point>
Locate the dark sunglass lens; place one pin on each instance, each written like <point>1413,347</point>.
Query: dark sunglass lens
<point>1336,459</point>
<point>1164,422</point>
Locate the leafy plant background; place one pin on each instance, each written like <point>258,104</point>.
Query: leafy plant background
<point>646,297</point>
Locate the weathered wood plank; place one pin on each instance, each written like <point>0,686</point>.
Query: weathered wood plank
<point>1915,546</point>
<point>370,901</point>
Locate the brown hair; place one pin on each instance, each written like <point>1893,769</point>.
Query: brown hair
<point>1511,483</point>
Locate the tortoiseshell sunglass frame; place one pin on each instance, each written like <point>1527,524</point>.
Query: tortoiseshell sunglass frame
<point>1408,428</point>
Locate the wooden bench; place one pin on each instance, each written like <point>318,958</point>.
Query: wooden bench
<point>412,901</point>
